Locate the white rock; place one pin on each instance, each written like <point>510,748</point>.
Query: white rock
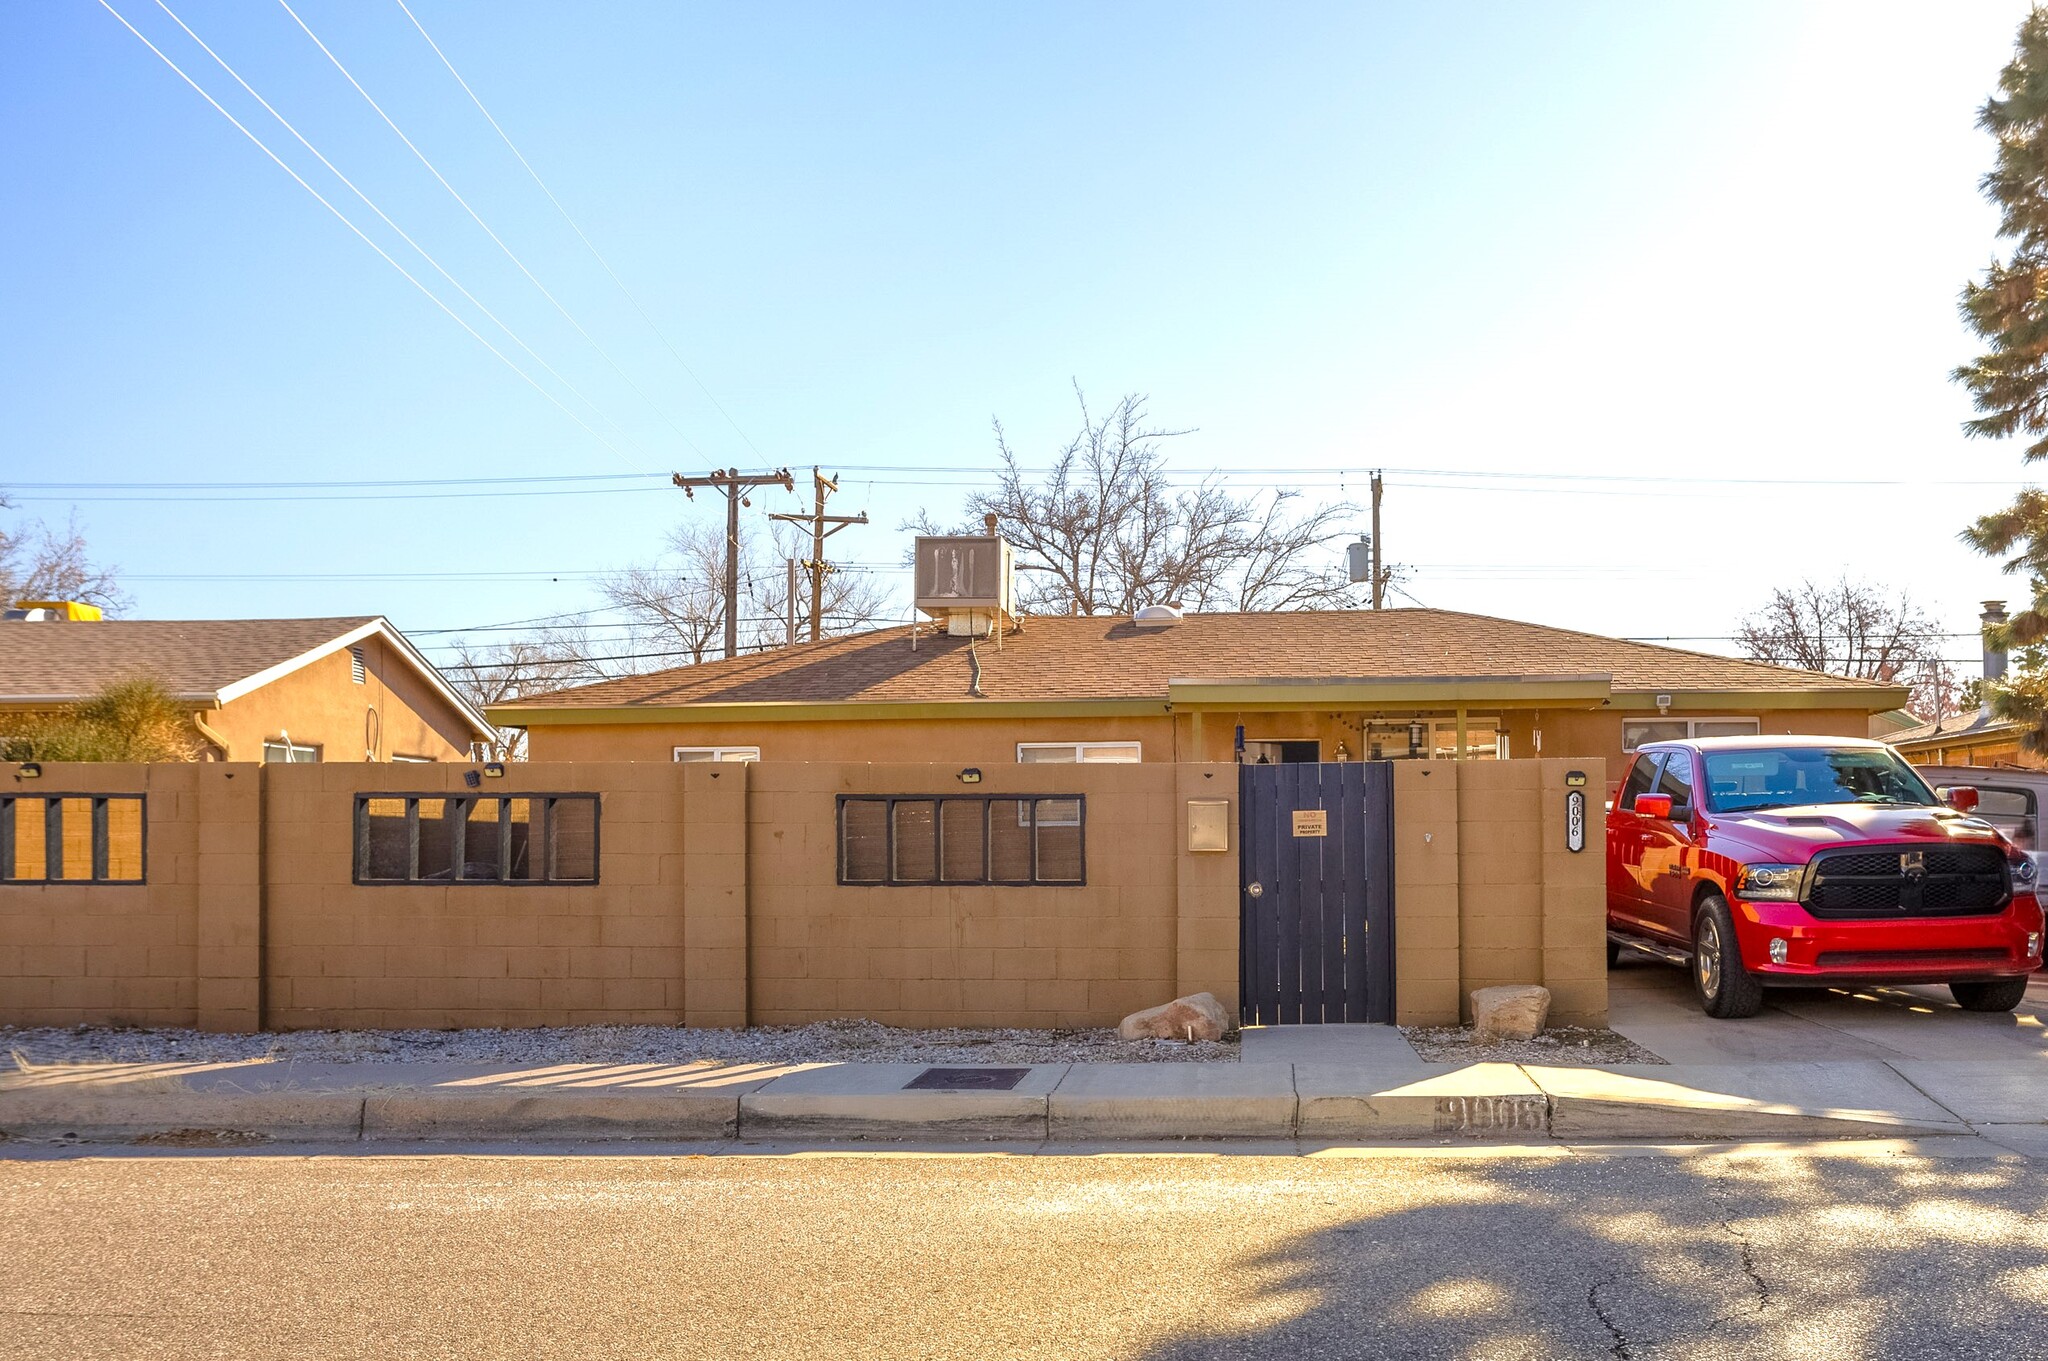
<point>1196,1017</point>
<point>1511,1012</point>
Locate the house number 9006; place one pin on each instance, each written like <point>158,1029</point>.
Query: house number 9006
<point>1575,820</point>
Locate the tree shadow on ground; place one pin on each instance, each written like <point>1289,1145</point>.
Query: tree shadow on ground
<point>1637,1257</point>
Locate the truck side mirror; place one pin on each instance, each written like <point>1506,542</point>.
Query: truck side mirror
<point>1961,797</point>
<point>1653,805</point>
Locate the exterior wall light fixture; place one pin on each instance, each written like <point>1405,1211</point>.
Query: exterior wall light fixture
<point>971,775</point>
<point>30,771</point>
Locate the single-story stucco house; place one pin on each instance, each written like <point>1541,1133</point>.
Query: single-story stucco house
<point>1325,685</point>
<point>273,690</point>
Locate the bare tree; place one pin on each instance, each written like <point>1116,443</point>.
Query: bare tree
<point>41,563</point>
<point>675,605</point>
<point>1111,533</point>
<point>1846,628</point>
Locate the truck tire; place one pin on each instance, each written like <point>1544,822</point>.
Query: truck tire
<point>1613,954</point>
<point>1998,994</point>
<point>1727,991</point>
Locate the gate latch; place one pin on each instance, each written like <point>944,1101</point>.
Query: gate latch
<point>1255,890</point>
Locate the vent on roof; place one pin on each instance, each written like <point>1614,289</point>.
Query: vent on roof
<point>355,665</point>
<point>964,580</point>
<point>1156,616</point>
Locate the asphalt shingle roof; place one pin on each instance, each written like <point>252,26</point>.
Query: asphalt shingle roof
<point>1101,657</point>
<point>190,657</point>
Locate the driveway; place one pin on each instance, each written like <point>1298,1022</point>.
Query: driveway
<point>1652,1004</point>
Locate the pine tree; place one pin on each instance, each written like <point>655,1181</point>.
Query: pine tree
<point>2008,307</point>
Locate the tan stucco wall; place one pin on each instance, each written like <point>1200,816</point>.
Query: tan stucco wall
<point>1570,733</point>
<point>321,704</point>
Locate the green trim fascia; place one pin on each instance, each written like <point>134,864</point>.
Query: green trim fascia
<point>529,716</point>
<point>1269,696</point>
<point>1876,699</point>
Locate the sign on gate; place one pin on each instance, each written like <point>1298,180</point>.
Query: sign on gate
<point>1311,822</point>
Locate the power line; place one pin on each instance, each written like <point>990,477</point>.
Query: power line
<point>475,217</point>
<point>343,219</point>
<point>386,217</point>
<point>588,245</point>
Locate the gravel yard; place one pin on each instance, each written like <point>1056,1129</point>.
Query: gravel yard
<point>843,1041</point>
<point>1563,1047</point>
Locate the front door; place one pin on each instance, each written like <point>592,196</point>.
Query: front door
<point>1317,892</point>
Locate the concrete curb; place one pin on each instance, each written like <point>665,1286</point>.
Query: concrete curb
<point>672,1116</point>
<point>80,1112</point>
<point>1065,1103</point>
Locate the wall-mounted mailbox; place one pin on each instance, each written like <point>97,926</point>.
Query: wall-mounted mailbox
<point>1208,824</point>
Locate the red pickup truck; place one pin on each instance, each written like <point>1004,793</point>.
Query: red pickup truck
<point>1814,862</point>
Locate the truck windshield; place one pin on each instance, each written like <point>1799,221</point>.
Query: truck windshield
<point>1790,777</point>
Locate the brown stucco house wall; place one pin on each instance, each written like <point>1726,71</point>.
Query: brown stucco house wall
<point>252,681</point>
<point>1340,679</point>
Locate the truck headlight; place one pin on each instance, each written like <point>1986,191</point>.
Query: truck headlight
<point>2022,866</point>
<point>1770,883</point>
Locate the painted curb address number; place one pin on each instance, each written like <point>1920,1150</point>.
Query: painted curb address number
<point>1575,820</point>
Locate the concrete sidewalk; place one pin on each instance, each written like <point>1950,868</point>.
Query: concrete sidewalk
<point>1354,1087</point>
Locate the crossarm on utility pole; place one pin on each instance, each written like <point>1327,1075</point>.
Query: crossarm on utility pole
<point>822,527</point>
<point>734,486</point>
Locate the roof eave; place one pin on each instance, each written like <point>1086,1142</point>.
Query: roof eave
<point>801,711</point>
<point>1874,699</point>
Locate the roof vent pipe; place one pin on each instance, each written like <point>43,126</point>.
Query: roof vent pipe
<point>1994,617</point>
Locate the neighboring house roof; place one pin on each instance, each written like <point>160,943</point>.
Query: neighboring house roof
<point>1958,730</point>
<point>1203,657</point>
<point>208,662</point>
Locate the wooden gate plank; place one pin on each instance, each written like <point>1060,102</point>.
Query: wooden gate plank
<point>1265,909</point>
<point>1350,941</point>
<point>1379,893</point>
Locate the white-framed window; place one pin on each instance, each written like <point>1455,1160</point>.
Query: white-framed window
<point>718,753</point>
<point>284,751</point>
<point>1424,739</point>
<point>1084,753</point>
<point>402,759</point>
<point>1635,732</point>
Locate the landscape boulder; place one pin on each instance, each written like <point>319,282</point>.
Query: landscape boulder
<point>1199,1017</point>
<point>1513,1012</point>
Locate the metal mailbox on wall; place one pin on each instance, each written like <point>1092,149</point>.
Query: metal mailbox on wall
<point>1208,824</point>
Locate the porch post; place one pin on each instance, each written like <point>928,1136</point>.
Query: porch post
<point>1195,737</point>
<point>1461,732</point>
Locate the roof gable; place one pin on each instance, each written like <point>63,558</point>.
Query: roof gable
<point>202,661</point>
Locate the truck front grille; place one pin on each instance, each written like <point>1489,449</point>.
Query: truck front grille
<point>1908,881</point>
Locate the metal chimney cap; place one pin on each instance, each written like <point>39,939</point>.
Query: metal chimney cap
<point>1994,610</point>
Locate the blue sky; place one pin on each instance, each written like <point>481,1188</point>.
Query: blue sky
<point>1543,243</point>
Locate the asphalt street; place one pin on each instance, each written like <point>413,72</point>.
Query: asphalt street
<point>1864,1251</point>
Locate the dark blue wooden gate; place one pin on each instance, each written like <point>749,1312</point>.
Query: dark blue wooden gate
<point>1317,910</point>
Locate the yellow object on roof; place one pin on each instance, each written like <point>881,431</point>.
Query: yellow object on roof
<point>77,611</point>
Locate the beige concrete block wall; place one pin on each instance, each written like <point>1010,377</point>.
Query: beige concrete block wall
<point>454,955</point>
<point>987,955</point>
<point>119,954</point>
<point>718,904</point>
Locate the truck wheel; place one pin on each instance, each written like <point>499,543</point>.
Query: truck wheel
<point>2000,994</point>
<point>1613,953</point>
<point>1726,990</point>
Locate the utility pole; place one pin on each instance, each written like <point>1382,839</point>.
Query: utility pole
<point>823,526</point>
<point>735,485</point>
<point>789,607</point>
<point>1379,571</point>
